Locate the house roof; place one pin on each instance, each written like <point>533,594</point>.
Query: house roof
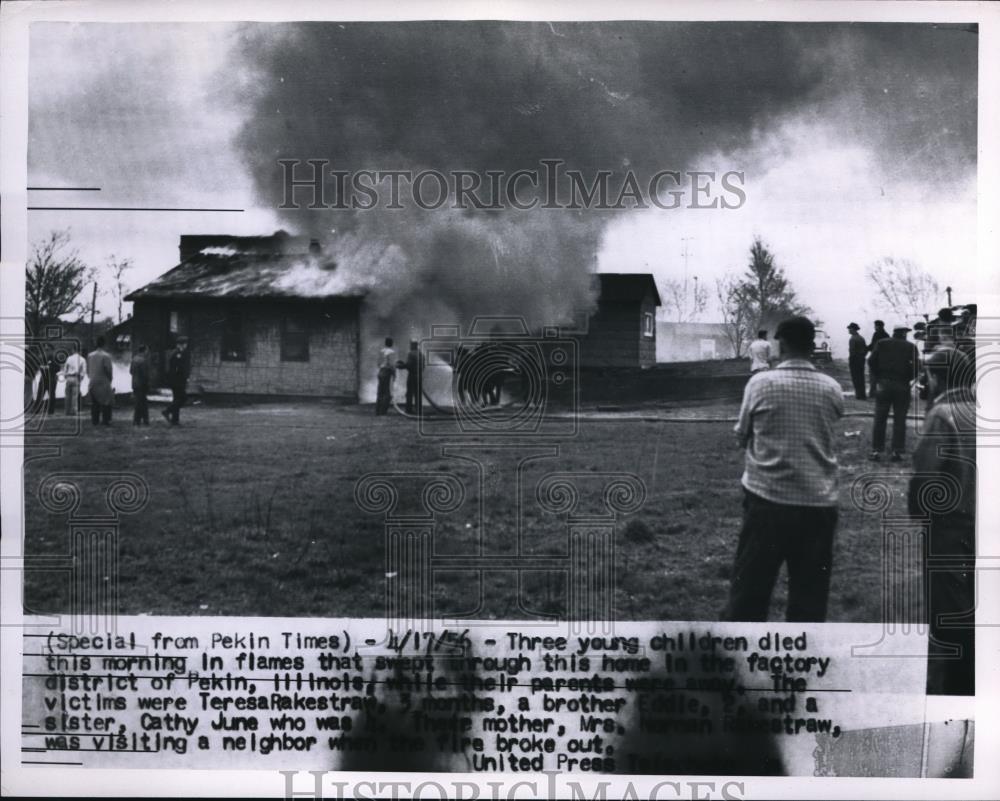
<point>231,267</point>
<point>624,287</point>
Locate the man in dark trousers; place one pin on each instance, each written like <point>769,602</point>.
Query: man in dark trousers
<point>414,366</point>
<point>877,335</point>
<point>178,370</point>
<point>386,372</point>
<point>48,380</point>
<point>790,481</point>
<point>894,364</point>
<point>945,458</point>
<point>857,349</point>
<point>140,387</point>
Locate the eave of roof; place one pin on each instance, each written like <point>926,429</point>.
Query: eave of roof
<point>627,286</point>
<point>242,276</point>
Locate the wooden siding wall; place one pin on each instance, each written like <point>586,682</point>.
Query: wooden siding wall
<point>332,369</point>
<point>615,335</point>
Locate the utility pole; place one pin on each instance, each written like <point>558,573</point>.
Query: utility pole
<point>93,310</point>
<point>685,254</point>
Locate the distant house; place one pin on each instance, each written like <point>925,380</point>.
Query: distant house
<point>691,342</point>
<point>622,331</point>
<point>119,337</point>
<point>266,315</point>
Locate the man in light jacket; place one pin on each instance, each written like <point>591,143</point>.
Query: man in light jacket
<point>102,394</point>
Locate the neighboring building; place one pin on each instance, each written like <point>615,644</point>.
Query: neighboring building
<point>692,342</point>
<point>264,315</point>
<point>119,337</point>
<point>622,331</point>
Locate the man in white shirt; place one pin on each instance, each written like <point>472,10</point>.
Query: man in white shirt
<point>73,372</point>
<point>386,371</point>
<point>760,353</point>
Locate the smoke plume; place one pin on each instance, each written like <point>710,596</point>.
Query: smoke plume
<point>484,96</point>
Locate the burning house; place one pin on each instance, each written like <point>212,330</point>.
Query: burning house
<point>265,315</point>
<point>274,316</point>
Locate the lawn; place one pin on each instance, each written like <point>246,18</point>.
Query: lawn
<point>252,512</point>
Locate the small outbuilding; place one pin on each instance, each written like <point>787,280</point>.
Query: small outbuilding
<point>622,330</point>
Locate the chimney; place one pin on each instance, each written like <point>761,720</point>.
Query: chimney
<point>315,248</point>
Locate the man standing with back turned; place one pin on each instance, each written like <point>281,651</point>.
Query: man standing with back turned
<point>100,371</point>
<point>790,482</point>
<point>857,349</point>
<point>877,336</point>
<point>178,370</point>
<point>894,365</point>
<point>760,353</point>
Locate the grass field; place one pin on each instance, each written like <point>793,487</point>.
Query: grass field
<point>252,512</point>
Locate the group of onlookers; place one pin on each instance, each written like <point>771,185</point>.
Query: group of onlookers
<point>97,369</point>
<point>894,366</point>
<point>790,483</point>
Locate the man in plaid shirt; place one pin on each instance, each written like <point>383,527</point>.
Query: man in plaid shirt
<point>790,482</point>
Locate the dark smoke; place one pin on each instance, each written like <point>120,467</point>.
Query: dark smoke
<point>613,95</point>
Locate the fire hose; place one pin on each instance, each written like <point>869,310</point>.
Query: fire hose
<point>446,412</point>
<point>598,416</point>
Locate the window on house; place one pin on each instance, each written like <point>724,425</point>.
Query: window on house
<point>648,324</point>
<point>233,344</point>
<point>177,325</point>
<point>294,340</point>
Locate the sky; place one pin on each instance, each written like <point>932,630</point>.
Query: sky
<point>857,142</point>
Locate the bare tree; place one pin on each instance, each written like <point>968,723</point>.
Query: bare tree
<point>684,302</point>
<point>54,278</point>
<point>902,287</point>
<point>118,268</point>
<point>737,312</point>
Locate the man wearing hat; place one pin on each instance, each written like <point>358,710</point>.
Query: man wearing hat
<point>945,459</point>
<point>877,336</point>
<point>789,482</point>
<point>178,370</point>
<point>857,349</point>
<point>893,363</point>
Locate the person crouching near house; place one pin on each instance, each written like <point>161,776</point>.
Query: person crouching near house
<point>100,370</point>
<point>386,372</point>
<point>786,425</point>
<point>178,370</point>
<point>140,387</point>
<point>943,490</point>
<point>74,371</point>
